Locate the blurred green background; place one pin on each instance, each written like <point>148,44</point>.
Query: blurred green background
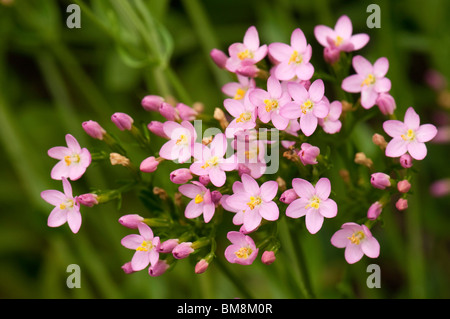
<point>53,78</point>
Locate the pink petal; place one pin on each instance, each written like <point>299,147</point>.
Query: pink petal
<point>370,247</point>
<point>380,67</point>
<point>321,109</point>
<point>269,190</point>
<point>298,40</point>
<point>308,123</point>
<point>132,241</point>
<point>285,71</point>
<point>321,33</point>
<point>153,257</point>
<point>359,41</point>
<point>57,217</point>
<point>238,218</point>
<point>297,208</point>
<point>217,176</point>
<point>426,133</point>
<point>368,97</point>
<point>382,85</point>
<point>59,152</point>
<point>304,71</point>
<point>59,171</point>
<point>291,111</point>
<point>396,147</point>
<point>238,201</point>
<point>230,89</point>
<point>251,38</point>
<point>316,90</point>
<point>394,128</point>
<point>169,127</point>
<point>208,211</point>
<point>145,231</point>
<point>303,188</point>
<point>72,143</point>
<point>269,211</point>
<point>353,253</point>
<point>189,190</point>
<point>193,210</point>
<point>362,66</point>
<point>328,208</point>
<point>67,187</point>
<point>417,150</point>
<point>260,54</point>
<point>352,83</point>
<point>344,27</point>
<point>53,197</point>
<point>234,107</point>
<point>280,51</point>
<point>280,122</point>
<point>237,238</point>
<point>167,150</point>
<point>313,220</point>
<point>331,127</point>
<point>257,97</point>
<point>412,119</point>
<point>250,185</point>
<point>340,238</point>
<point>252,219</point>
<point>323,188</point>
<point>140,260</point>
<point>274,87</point>
<point>218,145</point>
<point>74,220</point>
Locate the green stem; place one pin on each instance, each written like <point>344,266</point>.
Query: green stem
<point>236,281</point>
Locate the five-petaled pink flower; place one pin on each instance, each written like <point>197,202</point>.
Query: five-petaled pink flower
<point>292,60</point>
<point>369,79</point>
<point>201,202</point>
<point>313,202</point>
<point>308,105</point>
<point>210,160</point>
<point>331,123</point>
<point>341,37</point>
<point>67,209</point>
<point>253,203</point>
<point>146,246</point>
<point>237,90</point>
<point>244,113</point>
<point>244,56</point>
<point>408,136</point>
<point>182,137</point>
<point>270,102</point>
<point>74,160</point>
<point>242,250</point>
<point>357,241</point>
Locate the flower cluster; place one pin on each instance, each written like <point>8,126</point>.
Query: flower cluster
<point>275,101</point>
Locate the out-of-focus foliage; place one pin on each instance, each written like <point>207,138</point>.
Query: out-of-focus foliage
<point>53,78</point>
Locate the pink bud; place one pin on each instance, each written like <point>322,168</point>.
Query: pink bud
<point>122,121</point>
<point>243,169</point>
<point>401,204</point>
<point>403,186</point>
<point>268,257</point>
<point>308,154</point>
<point>216,196</point>
<point>168,111</point>
<point>127,268</point>
<point>149,165</point>
<point>152,102</point>
<point>181,176</point>
<point>93,129</point>
<point>250,71</point>
<point>201,266</point>
<point>204,179</point>
<point>331,55</point>
<point>406,161</point>
<point>88,200</point>
<point>219,58</point>
<point>288,196</point>
<point>386,103</point>
<point>186,112</point>
<point>168,245</point>
<point>158,269</point>
<point>374,211</point>
<point>380,180</point>
<point>157,128</point>
<point>440,188</point>
<point>379,140</point>
<point>182,250</point>
<point>131,220</point>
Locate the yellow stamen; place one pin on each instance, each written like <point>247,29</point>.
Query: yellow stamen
<point>181,139</point>
<point>69,159</point>
<point>315,203</point>
<point>244,117</point>
<point>254,201</point>
<point>370,79</point>
<point>198,199</point>
<point>338,41</point>
<point>295,58</point>
<point>410,135</point>
<point>245,54</point>
<point>145,246</point>
<point>356,237</point>
<point>240,93</point>
<point>213,161</point>
<point>243,252</point>
<point>271,104</point>
<point>307,106</point>
<point>62,206</point>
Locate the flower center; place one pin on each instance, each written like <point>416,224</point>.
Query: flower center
<point>66,204</point>
<point>183,139</point>
<point>314,203</point>
<point>271,104</point>
<point>240,93</point>
<point>254,201</point>
<point>198,199</point>
<point>369,80</point>
<point>244,117</point>
<point>338,41</point>
<point>410,135</point>
<point>145,246</point>
<point>213,161</point>
<point>295,58</point>
<point>307,106</point>
<point>243,252</point>
<point>245,54</point>
<point>71,158</point>
<point>357,237</point>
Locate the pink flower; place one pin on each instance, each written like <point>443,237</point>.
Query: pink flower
<point>408,136</point>
<point>308,154</point>
<point>403,186</point>
<point>313,202</point>
<point>308,105</point>
<point>288,196</point>
<point>341,37</point>
<point>380,180</point>
<point>357,241</point>
<point>183,250</point>
<point>369,80</point>
<point>157,128</point>
<point>146,246</point>
<point>67,209</point>
<point>331,123</point>
<point>292,61</point>
<point>180,176</point>
<point>253,203</point>
<point>201,202</point>
<point>244,113</point>
<point>401,204</point>
<point>270,102</point>
<point>242,250</point>
<point>268,257</point>
<point>168,245</point>
<point>386,103</point>
<point>149,165</point>
<point>250,154</point>
<point>237,90</point>
<point>201,266</point>
<point>73,160</point>
<point>152,102</point>
<point>122,120</point>
<point>211,161</point>
<point>158,269</point>
<point>93,129</point>
<point>219,57</point>
<point>88,199</point>
<point>131,220</point>
<point>406,160</point>
<point>244,56</point>
<point>182,137</point>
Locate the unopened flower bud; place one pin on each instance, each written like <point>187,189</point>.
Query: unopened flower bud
<point>152,102</point>
<point>168,111</point>
<point>386,103</point>
<point>93,129</point>
<point>406,161</point>
<point>150,164</point>
<point>181,176</point>
<point>131,220</point>
<point>219,115</point>
<point>374,211</point>
<point>281,183</point>
<point>219,57</point>
<point>161,193</point>
<point>401,204</point>
<point>216,196</point>
<point>403,186</point>
<point>127,268</point>
<point>360,158</point>
<point>168,245</point>
<point>158,269</point>
<point>118,159</point>
<point>331,55</point>
<point>88,200</point>
<point>288,196</point>
<point>379,140</point>
<point>122,121</point>
<point>380,180</point>
<point>204,179</point>
<point>198,107</point>
<point>308,154</point>
<point>185,112</point>
<point>156,128</point>
<point>201,266</point>
<point>268,257</point>
<point>250,71</point>
<point>182,250</point>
